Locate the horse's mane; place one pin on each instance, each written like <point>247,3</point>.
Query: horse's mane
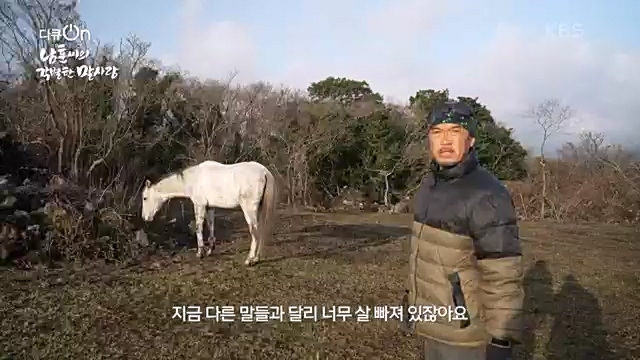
<point>179,173</point>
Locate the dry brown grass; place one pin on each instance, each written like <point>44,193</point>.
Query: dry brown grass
<point>109,312</point>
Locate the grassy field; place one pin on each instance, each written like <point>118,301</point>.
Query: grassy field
<point>583,296</point>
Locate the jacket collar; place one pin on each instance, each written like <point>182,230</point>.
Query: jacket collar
<point>467,165</point>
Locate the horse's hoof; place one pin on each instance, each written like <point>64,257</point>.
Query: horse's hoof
<point>210,251</point>
<point>251,262</point>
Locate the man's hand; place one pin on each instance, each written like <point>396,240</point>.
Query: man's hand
<point>499,350</point>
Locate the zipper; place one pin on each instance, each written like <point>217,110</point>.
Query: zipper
<point>458,297</point>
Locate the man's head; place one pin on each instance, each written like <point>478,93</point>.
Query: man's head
<point>451,133</point>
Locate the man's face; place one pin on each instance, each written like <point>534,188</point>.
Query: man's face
<point>449,143</point>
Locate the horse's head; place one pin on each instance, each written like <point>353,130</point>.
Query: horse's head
<point>151,201</point>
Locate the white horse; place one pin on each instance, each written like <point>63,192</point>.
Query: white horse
<point>248,185</point>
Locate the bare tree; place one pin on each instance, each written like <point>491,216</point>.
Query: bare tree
<point>552,117</point>
<point>387,186</point>
<point>21,21</point>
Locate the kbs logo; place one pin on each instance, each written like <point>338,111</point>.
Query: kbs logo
<point>564,30</point>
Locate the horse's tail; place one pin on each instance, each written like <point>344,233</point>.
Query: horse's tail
<point>267,209</point>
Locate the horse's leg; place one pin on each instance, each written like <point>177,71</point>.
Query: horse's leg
<point>251,216</point>
<point>211,215</point>
<point>199,213</point>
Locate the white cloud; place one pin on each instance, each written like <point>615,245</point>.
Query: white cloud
<point>601,84</point>
<point>415,16</point>
<point>512,72</point>
<point>214,50</point>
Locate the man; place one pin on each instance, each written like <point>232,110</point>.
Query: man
<point>465,249</point>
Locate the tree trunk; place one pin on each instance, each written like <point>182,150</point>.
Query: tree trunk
<point>544,188</point>
<point>386,190</point>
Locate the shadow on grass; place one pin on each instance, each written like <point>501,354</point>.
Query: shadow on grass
<point>319,240</point>
<point>332,240</point>
<point>172,228</point>
<point>538,306</point>
<point>578,331</point>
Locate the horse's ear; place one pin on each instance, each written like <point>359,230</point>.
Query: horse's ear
<point>147,183</point>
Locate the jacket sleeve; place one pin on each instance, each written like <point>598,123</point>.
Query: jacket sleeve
<point>498,250</point>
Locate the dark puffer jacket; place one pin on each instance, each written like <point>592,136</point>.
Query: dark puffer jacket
<point>465,224</point>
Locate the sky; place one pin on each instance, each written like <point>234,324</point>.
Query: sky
<point>512,55</point>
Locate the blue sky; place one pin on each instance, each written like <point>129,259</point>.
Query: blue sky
<point>508,53</point>
<point>158,21</point>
